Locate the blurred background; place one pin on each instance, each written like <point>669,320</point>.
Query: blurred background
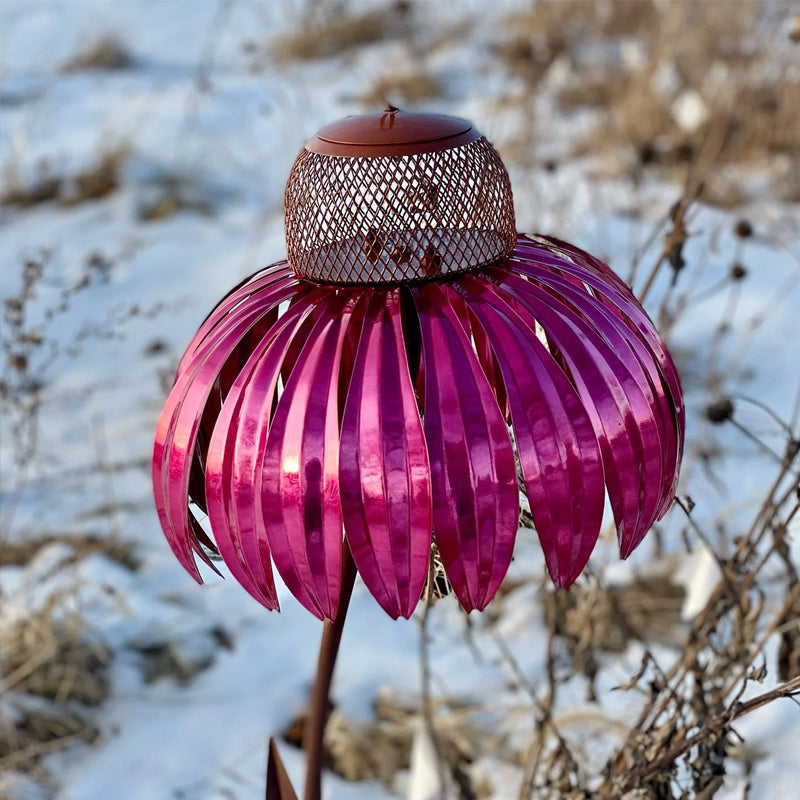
<point>144,150</point>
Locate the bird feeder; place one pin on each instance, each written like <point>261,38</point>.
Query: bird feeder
<point>379,398</point>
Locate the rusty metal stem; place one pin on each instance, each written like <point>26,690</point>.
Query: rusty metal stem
<point>320,703</point>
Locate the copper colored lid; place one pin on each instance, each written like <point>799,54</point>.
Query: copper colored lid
<point>392,133</point>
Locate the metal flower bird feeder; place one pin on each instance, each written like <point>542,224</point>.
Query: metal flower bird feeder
<point>372,396</point>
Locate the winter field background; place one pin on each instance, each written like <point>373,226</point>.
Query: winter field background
<point>144,149</point>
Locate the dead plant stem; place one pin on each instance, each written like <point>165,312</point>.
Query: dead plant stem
<point>425,671</point>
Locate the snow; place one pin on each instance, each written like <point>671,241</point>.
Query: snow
<point>232,145</point>
<point>689,110</point>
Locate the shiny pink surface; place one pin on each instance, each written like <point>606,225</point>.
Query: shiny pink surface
<point>300,470</point>
<point>558,451</point>
<point>475,495</point>
<point>304,413</point>
<point>383,469</point>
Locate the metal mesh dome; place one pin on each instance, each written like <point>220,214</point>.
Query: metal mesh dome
<point>396,197</point>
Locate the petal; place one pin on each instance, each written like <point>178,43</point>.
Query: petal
<point>233,469</point>
<point>475,495</point>
<point>621,416</point>
<point>219,391</point>
<point>483,350</point>
<point>616,295</point>
<point>300,481</point>
<point>258,282</point>
<point>549,247</point>
<point>557,447</point>
<point>349,350</point>
<point>639,359</point>
<point>177,430</point>
<point>383,465</point>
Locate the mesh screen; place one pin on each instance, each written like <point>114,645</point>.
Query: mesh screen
<point>390,219</point>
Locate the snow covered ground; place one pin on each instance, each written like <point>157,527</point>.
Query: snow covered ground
<point>199,123</point>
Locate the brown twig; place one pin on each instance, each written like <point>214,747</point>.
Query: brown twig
<point>320,697</point>
<point>425,673</point>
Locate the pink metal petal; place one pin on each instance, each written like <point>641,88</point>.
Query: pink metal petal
<point>615,294</point>
<point>550,246</point>
<point>255,283</point>
<point>300,481</point>
<point>177,429</point>
<point>557,447</point>
<point>482,349</point>
<point>621,416</point>
<point>383,465</point>
<point>639,359</point>
<point>233,469</point>
<point>475,495</point>
<point>616,297</point>
<point>219,391</point>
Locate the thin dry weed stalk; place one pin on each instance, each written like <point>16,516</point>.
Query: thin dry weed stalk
<point>679,745</point>
<point>428,711</point>
<point>52,664</point>
<point>29,350</point>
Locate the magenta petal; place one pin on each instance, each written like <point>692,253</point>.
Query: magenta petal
<point>557,447</point>
<point>233,468</point>
<point>258,282</point>
<point>549,247</point>
<point>621,416</point>
<point>222,386</point>
<point>643,366</point>
<point>614,294</point>
<point>475,495</point>
<point>383,465</point>
<point>300,480</point>
<point>491,368</point>
<point>177,429</point>
<point>482,349</point>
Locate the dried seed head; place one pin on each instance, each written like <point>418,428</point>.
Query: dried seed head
<point>720,411</point>
<point>738,272</point>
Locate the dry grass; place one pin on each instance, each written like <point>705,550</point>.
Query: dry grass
<point>51,672</point>
<point>359,752</point>
<point>107,53</point>
<point>405,87</point>
<point>48,655</point>
<point>36,734</point>
<point>328,30</point>
<point>164,659</point>
<point>171,194</point>
<point>633,64</point>
<point>594,620</point>
<point>379,749</point>
<point>553,30</point>
<point>20,553</point>
<point>94,182</point>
